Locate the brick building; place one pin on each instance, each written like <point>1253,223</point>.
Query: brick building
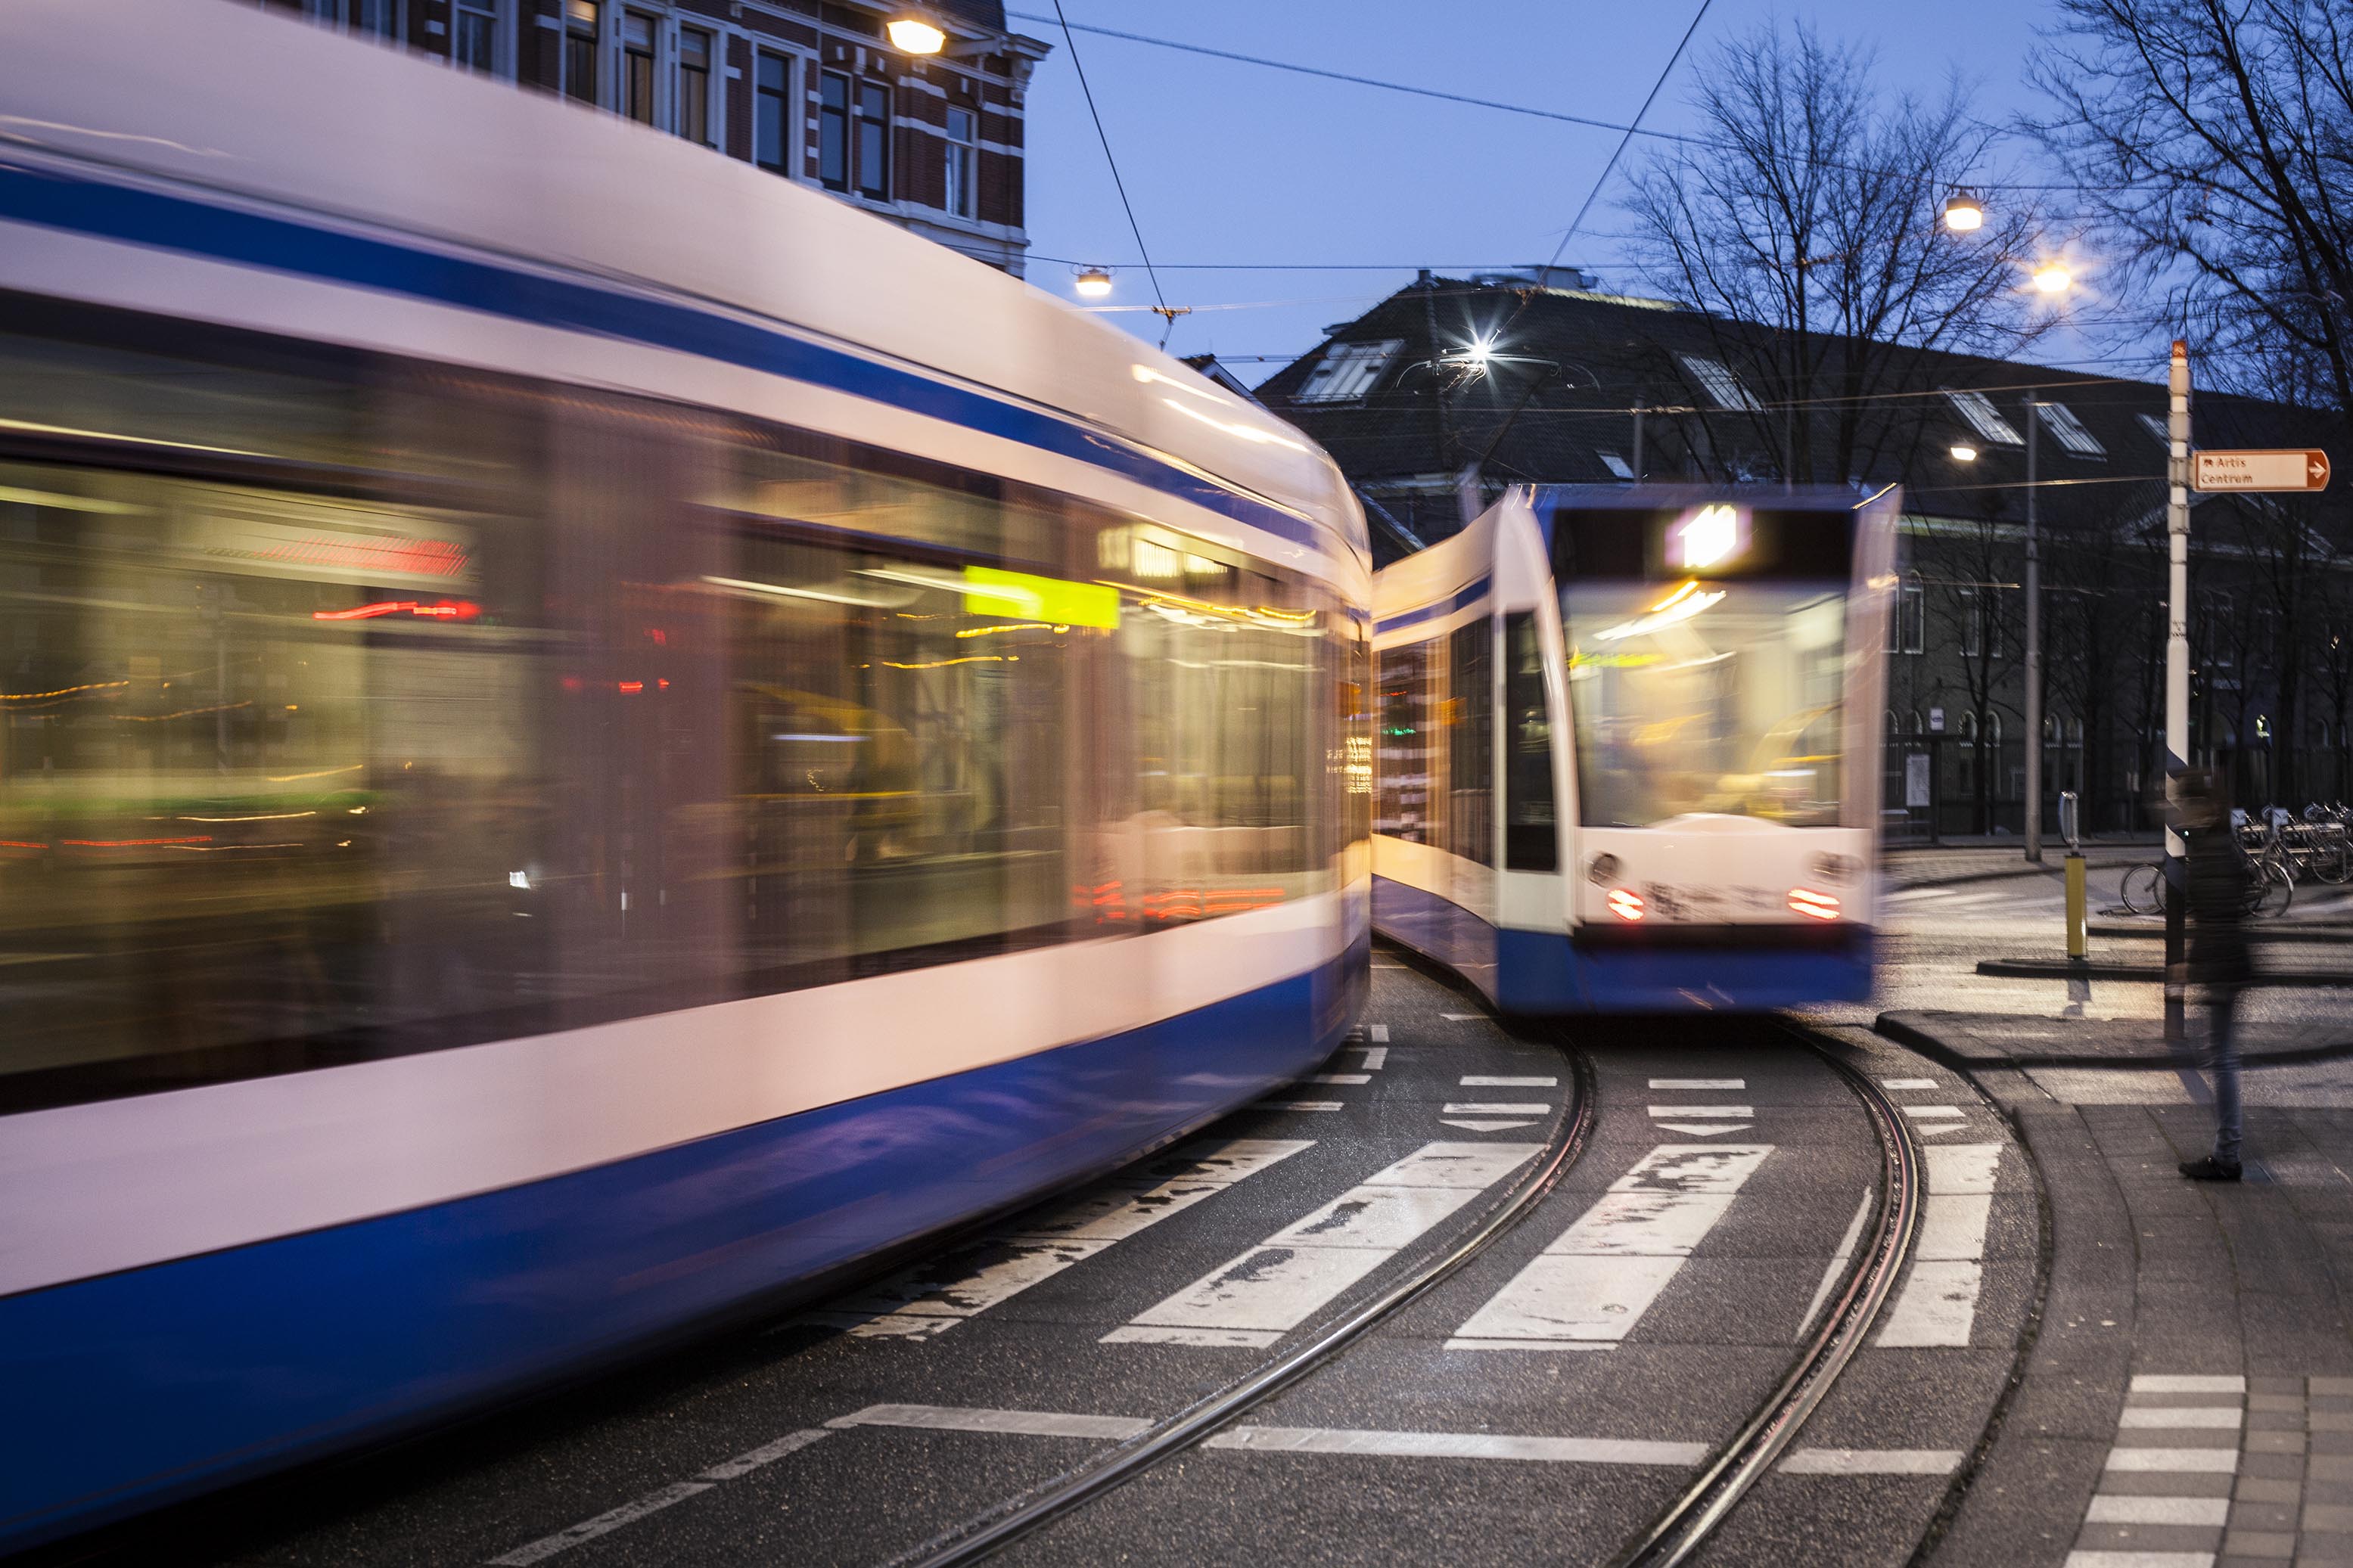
<point>1451,388</point>
<point>811,91</point>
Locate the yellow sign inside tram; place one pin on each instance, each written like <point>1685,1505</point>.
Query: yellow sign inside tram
<point>990,592</point>
<point>1710,537</point>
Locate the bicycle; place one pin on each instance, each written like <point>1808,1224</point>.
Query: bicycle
<point>2271,888</point>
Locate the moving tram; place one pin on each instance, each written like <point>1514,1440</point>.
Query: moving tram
<point>568,774</point>
<point>1623,758</point>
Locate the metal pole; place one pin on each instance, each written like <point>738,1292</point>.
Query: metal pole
<point>1638,445</point>
<point>2033,646</point>
<point>2177,685</point>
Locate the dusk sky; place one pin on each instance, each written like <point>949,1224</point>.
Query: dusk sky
<point>1236,164</point>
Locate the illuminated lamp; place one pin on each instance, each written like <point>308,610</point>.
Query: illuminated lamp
<point>1964,214</point>
<point>914,33</point>
<point>1093,283</point>
<point>1625,903</point>
<point>1813,905</point>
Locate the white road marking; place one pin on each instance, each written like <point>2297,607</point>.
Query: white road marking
<point>1339,1078</point>
<point>1495,1108</point>
<point>2167,1415</point>
<point>2192,1511</point>
<point>1939,1129</point>
<point>2174,1383</point>
<point>924,1302</point>
<point>1478,1125</point>
<point>1271,1288</point>
<point>2198,1461</point>
<point>1938,1305</point>
<point>1704,1113</point>
<point>1933,1112</point>
<point>1904,1083</point>
<point>2140,1559</point>
<point>1459,1446</point>
<point>654,1501</point>
<point>1705,1129</point>
<point>972,1418</point>
<point>1870,1462</point>
<point>1376,1056</point>
<point>1909,893</point>
<point>1598,1278</point>
<point>1300,1105</point>
<point>1461,1017</point>
<point>1378,1032</point>
<point>1699,1083</point>
<point>1839,1262</point>
<point>1475,1081</point>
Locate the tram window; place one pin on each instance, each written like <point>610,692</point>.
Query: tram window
<point>1719,698</point>
<point>1470,742</point>
<point>1529,811</point>
<point>1404,745</point>
<point>536,711</point>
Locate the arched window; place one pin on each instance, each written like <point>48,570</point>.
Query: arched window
<point>2050,729</point>
<point>2075,731</point>
<point>1993,730</point>
<point>1919,725</point>
<point>1968,729</point>
<point>1890,721</point>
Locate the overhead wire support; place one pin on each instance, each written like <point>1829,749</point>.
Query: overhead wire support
<point>1631,131</point>
<point>1129,207</point>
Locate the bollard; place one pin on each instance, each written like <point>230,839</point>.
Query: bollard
<point>2075,948</point>
<point>2069,828</point>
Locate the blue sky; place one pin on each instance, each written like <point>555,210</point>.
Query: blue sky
<point>1231,162</point>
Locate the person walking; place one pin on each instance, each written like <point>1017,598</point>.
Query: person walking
<point>2217,875</point>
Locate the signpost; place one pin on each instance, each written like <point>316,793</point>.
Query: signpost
<point>2260,471</point>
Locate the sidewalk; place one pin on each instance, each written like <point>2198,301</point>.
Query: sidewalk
<point>1985,860</point>
<point>1966,1040</point>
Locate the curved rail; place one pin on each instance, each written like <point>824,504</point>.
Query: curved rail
<point>1677,1533</point>
<point>1198,1421</point>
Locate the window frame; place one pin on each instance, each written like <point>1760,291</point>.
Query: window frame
<point>493,13</point>
<point>2070,432</point>
<point>1361,363</point>
<point>638,91</point>
<point>1979,413</point>
<point>871,175</point>
<point>833,135</point>
<point>682,72</point>
<point>582,43</point>
<point>1720,381</point>
<point>960,165</point>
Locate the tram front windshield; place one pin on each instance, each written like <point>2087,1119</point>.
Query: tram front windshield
<point>1706,697</point>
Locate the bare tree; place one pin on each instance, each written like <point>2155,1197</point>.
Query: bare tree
<point>1811,207</point>
<point>2214,142</point>
<point>1972,610</point>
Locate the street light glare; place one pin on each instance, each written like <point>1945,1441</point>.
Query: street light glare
<point>2052,278</point>
<point>1964,453</point>
<point>1093,283</point>
<point>1964,213</point>
<point>915,35</point>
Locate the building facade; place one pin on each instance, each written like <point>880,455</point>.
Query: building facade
<point>812,92</point>
<point>1451,389</point>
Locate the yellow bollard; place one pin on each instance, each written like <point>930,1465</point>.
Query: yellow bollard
<point>2075,950</point>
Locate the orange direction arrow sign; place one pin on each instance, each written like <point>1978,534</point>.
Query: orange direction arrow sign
<point>2282,470</point>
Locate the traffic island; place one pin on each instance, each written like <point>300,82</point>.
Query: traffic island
<point>1963,1041</point>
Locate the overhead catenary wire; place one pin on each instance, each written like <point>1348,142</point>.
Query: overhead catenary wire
<point>1627,140</point>
<point>1104,137</point>
<point>1685,138</point>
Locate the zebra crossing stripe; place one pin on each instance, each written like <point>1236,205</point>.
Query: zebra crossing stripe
<point>1263,1294</point>
<point>924,1302</point>
<point>1938,1303</point>
<point>1593,1284</point>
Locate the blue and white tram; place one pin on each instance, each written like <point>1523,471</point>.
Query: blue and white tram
<point>1623,752</point>
<point>590,740</point>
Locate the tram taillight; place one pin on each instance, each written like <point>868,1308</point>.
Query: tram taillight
<point>1813,905</point>
<point>1625,903</point>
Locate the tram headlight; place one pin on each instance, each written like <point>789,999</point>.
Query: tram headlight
<point>1813,905</point>
<point>1601,870</point>
<point>1625,903</point>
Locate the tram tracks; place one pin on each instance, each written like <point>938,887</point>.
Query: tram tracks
<point>1720,1482</point>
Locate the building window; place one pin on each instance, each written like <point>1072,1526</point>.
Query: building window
<point>1907,619</point>
<point>833,132</point>
<point>1981,622</point>
<point>380,17</point>
<point>1716,378</point>
<point>771,114</point>
<point>1985,418</point>
<point>580,26</point>
<point>964,152</point>
<point>694,85</point>
<point>874,141</point>
<point>474,43</point>
<point>638,68</point>
<point>1346,371</point>
<point>2061,422</point>
<point>1614,463</point>
<point>2157,427</point>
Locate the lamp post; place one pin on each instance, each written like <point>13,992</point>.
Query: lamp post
<point>2177,679</point>
<point>2033,644</point>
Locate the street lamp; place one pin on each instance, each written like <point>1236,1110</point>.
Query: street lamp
<point>914,33</point>
<point>1965,453</point>
<point>2052,278</point>
<point>1094,282</point>
<point>1964,214</point>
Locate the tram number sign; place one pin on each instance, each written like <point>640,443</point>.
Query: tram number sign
<point>2302,470</point>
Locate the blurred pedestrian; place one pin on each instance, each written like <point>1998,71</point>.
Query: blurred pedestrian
<point>2218,880</point>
